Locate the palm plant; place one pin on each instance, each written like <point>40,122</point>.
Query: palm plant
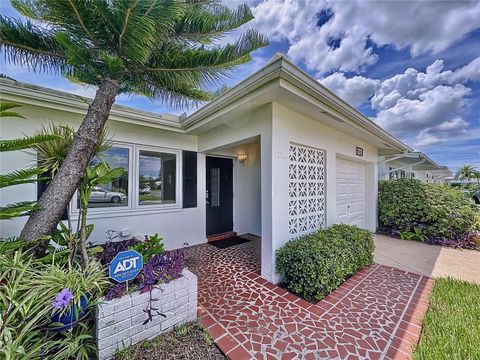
<point>50,156</point>
<point>465,172</point>
<point>165,49</point>
<point>22,176</point>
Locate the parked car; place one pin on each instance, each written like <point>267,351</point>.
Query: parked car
<point>476,197</point>
<point>144,189</point>
<point>100,194</point>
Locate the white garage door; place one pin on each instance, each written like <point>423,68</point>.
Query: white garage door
<point>351,200</point>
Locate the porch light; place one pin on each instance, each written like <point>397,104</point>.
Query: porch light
<point>242,158</point>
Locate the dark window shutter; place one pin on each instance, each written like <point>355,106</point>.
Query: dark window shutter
<point>189,179</point>
<point>42,185</point>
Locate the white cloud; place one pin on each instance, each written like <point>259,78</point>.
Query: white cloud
<point>454,124</point>
<point>419,26</point>
<point>429,108</point>
<point>429,103</point>
<point>356,90</point>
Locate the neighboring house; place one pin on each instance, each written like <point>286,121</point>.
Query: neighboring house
<point>278,156</point>
<point>412,165</point>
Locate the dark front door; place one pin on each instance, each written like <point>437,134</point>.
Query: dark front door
<point>219,195</point>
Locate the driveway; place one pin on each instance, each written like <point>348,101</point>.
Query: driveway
<point>376,314</point>
<point>428,260</point>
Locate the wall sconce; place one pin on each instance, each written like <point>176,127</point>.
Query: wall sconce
<point>242,158</point>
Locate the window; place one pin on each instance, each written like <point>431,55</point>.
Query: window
<point>215,186</point>
<point>114,194</point>
<point>157,178</point>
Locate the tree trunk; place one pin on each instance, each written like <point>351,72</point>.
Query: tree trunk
<point>59,192</point>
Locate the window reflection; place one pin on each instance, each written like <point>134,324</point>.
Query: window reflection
<point>157,178</point>
<point>114,194</point>
<point>215,186</point>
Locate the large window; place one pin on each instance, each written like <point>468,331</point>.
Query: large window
<point>114,194</point>
<point>157,178</point>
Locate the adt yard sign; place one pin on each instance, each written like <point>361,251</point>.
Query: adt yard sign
<point>125,266</point>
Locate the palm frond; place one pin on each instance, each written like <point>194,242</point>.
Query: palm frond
<point>207,21</point>
<point>23,176</point>
<point>26,142</point>
<point>18,209</point>
<point>8,105</point>
<point>31,46</point>
<point>206,65</point>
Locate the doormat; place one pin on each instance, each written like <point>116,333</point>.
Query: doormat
<point>231,241</point>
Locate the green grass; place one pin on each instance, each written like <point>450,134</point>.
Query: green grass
<point>451,327</point>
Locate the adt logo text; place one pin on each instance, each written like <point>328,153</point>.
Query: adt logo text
<point>125,266</point>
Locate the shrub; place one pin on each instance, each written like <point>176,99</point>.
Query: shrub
<point>440,213</point>
<point>316,264</point>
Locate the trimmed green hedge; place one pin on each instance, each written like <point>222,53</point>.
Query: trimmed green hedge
<point>436,211</point>
<point>316,264</point>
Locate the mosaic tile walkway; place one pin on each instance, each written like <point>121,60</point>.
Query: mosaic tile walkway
<point>376,314</point>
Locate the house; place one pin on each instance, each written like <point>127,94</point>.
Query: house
<point>412,165</point>
<point>278,156</point>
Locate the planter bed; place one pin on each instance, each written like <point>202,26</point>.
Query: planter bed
<point>187,342</point>
<point>122,322</point>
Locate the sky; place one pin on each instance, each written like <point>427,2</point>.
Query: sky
<point>413,67</point>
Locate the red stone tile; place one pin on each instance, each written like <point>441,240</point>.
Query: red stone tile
<point>226,344</point>
<point>207,321</point>
<point>216,331</point>
<point>239,353</point>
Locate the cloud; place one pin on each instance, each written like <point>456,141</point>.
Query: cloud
<point>425,109</point>
<point>344,39</point>
<point>355,90</point>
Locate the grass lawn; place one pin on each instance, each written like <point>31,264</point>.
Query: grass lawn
<point>186,342</point>
<point>451,327</point>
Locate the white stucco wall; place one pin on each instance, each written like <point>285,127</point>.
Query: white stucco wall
<point>175,225</point>
<point>289,126</point>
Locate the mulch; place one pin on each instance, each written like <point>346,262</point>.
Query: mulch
<point>189,343</point>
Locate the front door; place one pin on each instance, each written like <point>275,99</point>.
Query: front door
<point>219,195</point>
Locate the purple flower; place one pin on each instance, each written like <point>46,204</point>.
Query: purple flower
<point>62,299</point>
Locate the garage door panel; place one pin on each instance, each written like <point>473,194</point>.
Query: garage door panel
<point>350,199</point>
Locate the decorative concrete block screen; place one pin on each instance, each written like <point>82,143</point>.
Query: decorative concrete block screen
<point>119,322</point>
<point>306,189</point>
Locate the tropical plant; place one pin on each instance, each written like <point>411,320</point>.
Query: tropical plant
<point>466,172</point>
<point>166,50</point>
<point>78,280</point>
<point>152,245</point>
<point>23,311</point>
<point>416,235</point>
<point>23,176</point>
<point>28,291</point>
<point>98,174</point>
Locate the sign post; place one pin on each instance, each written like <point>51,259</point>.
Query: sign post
<point>125,266</point>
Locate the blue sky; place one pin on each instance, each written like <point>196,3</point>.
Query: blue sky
<point>413,67</point>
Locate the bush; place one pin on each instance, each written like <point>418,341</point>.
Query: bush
<point>316,264</point>
<point>440,213</point>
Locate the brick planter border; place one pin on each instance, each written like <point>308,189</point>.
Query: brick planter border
<point>119,322</point>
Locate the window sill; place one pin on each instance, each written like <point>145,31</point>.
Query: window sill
<point>128,212</point>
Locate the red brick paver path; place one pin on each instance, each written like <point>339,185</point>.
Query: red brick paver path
<point>376,314</point>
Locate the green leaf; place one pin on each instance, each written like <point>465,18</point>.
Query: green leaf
<point>26,142</point>
<point>23,176</point>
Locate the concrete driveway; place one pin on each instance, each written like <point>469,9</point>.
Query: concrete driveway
<point>429,260</point>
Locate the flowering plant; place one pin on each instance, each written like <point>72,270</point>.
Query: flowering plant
<point>62,299</point>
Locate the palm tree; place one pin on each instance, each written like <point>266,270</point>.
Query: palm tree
<point>167,50</point>
<point>465,172</point>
